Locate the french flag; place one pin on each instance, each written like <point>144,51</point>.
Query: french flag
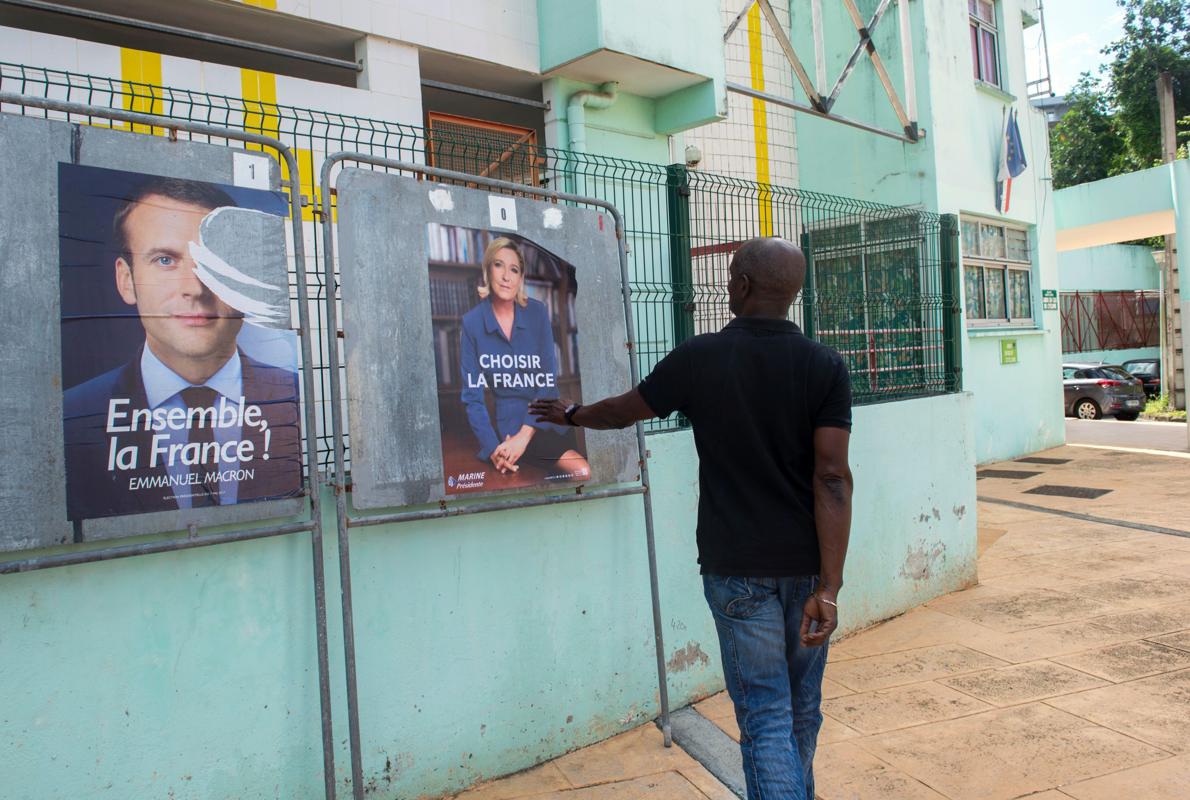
<point>1012,162</point>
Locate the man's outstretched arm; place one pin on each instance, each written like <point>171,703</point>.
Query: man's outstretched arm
<point>612,413</point>
<point>832,515</point>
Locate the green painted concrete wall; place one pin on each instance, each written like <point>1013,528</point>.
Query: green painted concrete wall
<point>1116,267</point>
<point>840,160</point>
<point>682,35</point>
<point>623,131</point>
<point>1143,192</point>
<point>685,35</point>
<point>568,29</point>
<point>1018,407</point>
<point>953,170</point>
<point>1159,189</point>
<point>1114,356</point>
<point>692,43</point>
<point>484,644</point>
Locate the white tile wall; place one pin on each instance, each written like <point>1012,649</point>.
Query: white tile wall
<point>95,58</point>
<point>55,52</point>
<point>216,79</point>
<point>183,72</point>
<point>357,15</point>
<point>729,146</point>
<point>16,45</point>
<point>326,11</point>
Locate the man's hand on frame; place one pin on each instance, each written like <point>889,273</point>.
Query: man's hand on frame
<point>552,411</point>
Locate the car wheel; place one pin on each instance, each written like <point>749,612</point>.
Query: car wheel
<point>1087,409</point>
<point>1128,416</point>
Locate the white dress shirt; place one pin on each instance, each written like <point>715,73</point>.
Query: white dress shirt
<point>163,389</point>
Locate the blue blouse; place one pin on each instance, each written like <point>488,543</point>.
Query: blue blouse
<point>514,370</point>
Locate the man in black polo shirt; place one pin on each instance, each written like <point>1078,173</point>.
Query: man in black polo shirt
<point>771,412</point>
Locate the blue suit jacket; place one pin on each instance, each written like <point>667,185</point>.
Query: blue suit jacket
<point>532,335</point>
<point>92,491</point>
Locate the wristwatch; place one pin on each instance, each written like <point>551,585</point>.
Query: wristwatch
<point>570,412</point>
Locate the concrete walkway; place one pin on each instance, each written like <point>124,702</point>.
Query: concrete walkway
<point>1064,674</point>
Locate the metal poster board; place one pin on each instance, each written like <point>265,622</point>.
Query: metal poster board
<point>148,336</point>
<point>460,306</point>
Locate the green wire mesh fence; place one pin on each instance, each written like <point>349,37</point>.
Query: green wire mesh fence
<point>882,281</point>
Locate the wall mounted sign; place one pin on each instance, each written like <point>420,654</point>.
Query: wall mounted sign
<point>1008,354</point>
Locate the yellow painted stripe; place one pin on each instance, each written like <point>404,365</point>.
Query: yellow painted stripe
<point>261,115</point>
<point>259,91</point>
<point>271,5</point>
<point>141,67</point>
<point>760,124</point>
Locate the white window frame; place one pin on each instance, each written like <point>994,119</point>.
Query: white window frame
<point>1005,263</point>
<point>983,26</point>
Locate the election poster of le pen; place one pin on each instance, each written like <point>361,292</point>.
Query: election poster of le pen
<point>505,333</point>
<point>179,364</point>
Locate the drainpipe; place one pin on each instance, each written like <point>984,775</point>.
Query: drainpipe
<point>576,127</point>
<point>576,115</point>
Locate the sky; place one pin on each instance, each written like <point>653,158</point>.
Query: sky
<point>1077,30</point>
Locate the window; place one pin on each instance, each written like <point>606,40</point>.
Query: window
<point>869,285</point>
<point>984,53</point>
<point>479,147</point>
<point>996,274</point>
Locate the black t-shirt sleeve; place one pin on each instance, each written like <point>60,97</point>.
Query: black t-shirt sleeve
<point>835,409</point>
<point>667,388</point>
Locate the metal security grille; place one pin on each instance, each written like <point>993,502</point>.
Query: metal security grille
<point>516,162</point>
<point>1110,320</point>
<point>879,289</point>
<point>882,285</point>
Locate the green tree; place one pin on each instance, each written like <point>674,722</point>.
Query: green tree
<point>1114,125</point>
<point>1086,144</point>
<point>1156,39</point>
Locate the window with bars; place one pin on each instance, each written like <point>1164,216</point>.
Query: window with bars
<point>869,285</point>
<point>456,143</point>
<point>997,274</point>
<point>985,59</point>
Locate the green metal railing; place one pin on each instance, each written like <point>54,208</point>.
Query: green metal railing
<point>883,288</point>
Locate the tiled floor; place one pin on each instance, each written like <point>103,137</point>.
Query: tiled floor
<point>1065,674</point>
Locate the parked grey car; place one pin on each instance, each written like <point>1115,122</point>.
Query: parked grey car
<point>1097,390</point>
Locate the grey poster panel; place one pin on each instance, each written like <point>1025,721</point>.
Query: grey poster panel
<point>389,340</point>
<point>32,469</point>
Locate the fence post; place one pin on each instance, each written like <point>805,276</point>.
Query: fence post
<point>809,297</point>
<point>952,319</point>
<point>681,272</point>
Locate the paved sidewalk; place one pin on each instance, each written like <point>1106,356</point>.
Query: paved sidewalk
<point>1064,674</point>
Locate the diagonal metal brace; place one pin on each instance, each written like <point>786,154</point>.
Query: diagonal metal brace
<point>735,23</point>
<point>800,71</point>
<point>878,63</point>
<point>866,44</point>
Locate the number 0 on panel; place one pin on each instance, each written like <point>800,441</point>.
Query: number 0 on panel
<point>502,211</point>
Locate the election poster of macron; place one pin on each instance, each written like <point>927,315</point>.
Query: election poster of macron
<point>505,333</point>
<point>179,363</point>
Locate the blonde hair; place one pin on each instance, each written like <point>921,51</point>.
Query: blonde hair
<point>489,255</point>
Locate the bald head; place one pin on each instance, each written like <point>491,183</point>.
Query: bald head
<point>765,276</point>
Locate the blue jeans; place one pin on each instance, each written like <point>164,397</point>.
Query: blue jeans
<point>774,682</point>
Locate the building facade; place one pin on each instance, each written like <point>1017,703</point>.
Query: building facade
<point>490,643</point>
